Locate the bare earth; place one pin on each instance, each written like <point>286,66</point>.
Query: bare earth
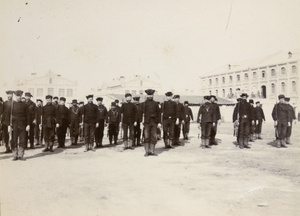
<point>186,180</point>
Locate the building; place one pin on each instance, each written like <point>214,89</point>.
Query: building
<point>136,85</point>
<point>49,83</point>
<point>263,78</point>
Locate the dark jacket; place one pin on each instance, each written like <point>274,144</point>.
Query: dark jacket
<point>114,116</point>
<point>242,112</point>
<point>291,112</point>
<point>31,106</point>
<point>6,112</point>
<point>281,113</point>
<point>20,114</point>
<point>129,112</point>
<point>90,113</point>
<point>169,110</point>
<point>188,114</point>
<point>74,113</point>
<point>139,108</point>
<point>259,114</point>
<point>151,110</point>
<point>207,114</point>
<point>102,112</point>
<point>180,111</point>
<point>49,115</point>
<point>216,110</point>
<point>38,114</point>
<point>62,115</point>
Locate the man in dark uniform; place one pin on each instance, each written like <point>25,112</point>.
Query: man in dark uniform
<point>7,105</point>
<point>81,136</point>
<point>252,127</point>
<point>48,123</point>
<point>55,101</point>
<point>113,119</point>
<point>1,113</point>
<point>177,127</point>
<point>90,122</point>
<point>38,120</point>
<point>236,123</point>
<point>62,122</point>
<point>75,119</point>
<point>129,120</point>
<point>217,113</point>
<point>151,120</point>
<point>206,119</point>
<point>188,116</point>
<point>259,117</point>
<point>281,117</point>
<point>20,124</point>
<point>169,118</point>
<point>242,116</point>
<point>31,106</point>
<point>137,128</point>
<point>119,109</point>
<point>292,117</point>
<point>102,114</point>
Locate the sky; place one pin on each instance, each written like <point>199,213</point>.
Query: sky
<point>172,41</point>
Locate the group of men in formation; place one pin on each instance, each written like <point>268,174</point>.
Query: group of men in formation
<point>23,120</point>
<point>248,121</point>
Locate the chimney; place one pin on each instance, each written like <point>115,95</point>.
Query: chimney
<point>229,67</point>
<point>290,55</point>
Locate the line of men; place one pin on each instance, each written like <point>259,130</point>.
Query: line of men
<point>248,120</point>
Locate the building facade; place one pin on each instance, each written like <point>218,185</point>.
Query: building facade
<point>49,83</point>
<point>263,78</point>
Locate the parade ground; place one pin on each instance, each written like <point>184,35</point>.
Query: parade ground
<point>186,180</point>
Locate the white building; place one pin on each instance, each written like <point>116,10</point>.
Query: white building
<point>263,78</point>
<point>49,83</point>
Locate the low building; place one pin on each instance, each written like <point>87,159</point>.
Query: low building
<point>49,83</point>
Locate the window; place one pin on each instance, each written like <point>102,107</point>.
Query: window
<point>238,78</point>
<point>69,92</point>
<point>254,75</point>
<point>294,87</point>
<point>230,79</point>
<point>209,92</point>
<point>50,91</point>
<point>294,69</point>
<point>273,88</point>
<point>273,73</point>
<point>141,92</point>
<point>50,80</point>
<point>263,74</point>
<point>31,90</point>
<point>210,82</point>
<point>283,71</point>
<point>223,92</point>
<point>39,92</point>
<point>246,76</point>
<point>217,80</point>
<point>134,92</point>
<point>283,87</point>
<point>61,92</point>
<point>223,80</point>
<point>217,92</point>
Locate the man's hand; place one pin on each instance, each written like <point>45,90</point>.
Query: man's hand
<point>34,121</point>
<point>159,125</point>
<point>97,125</point>
<point>27,128</point>
<point>135,124</point>
<point>57,125</point>
<point>9,129</point>
<point>40,126</point>
<point>275,123</point>
<point>252,122</point>
<point>177,122</point>
<point>213,124</point>
<point>289,124</point>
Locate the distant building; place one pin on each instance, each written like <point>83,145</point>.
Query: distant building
<point>49,83</point>
<point>136,85</point>
<point>265,78</point>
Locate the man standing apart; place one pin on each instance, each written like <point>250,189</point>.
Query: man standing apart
<point>75,119</point>
<point>151,120</point>
<point>259,117</point>
<point>90,122</point>
<point>62,122</point>
<point>113,119</point>
<point>292,117</point>
<point>180,112</point>
<point>20,124</point>
<point>242,115</point>
<point>129,117</point>
<point>31,106</point>
<point>217,113</point>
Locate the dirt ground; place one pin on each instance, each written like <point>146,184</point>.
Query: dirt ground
<point>187,180</point>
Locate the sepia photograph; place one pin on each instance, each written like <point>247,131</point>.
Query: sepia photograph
<point>142,108</point>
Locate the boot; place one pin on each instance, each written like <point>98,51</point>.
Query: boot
<point>246,142</point>
<point>21,153</point>
<point>147,147</point>
<point>110,140</point>
<point>171,144</point>
<point>278,145</point>
<point>138,141</point>
<point>47,147</point>
<point>206,142</point>
<point>130,144</point>
<point>125,144</point>
<point>15,154</point>
<point>133,142</point>
<point>288,140</point>
<point>115,139</point>
<point>241,142</point>
<point>86,147</point>
<point>166,143</point>
<point>152,150</point>
<point>36,142</point>
<point>202,143</point>
<point>91,146</point>
<point>72,140</point>
<point>51,147</point>
<point>76,139</point>
<point>251,138</point>
<point>259,136</point>
<point>282,143</point>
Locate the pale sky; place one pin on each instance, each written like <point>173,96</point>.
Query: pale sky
<point>96,40</point>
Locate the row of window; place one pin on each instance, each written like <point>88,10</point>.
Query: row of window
<point>50,91</point>
<point>254,75</point>
<point>273,90</point>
